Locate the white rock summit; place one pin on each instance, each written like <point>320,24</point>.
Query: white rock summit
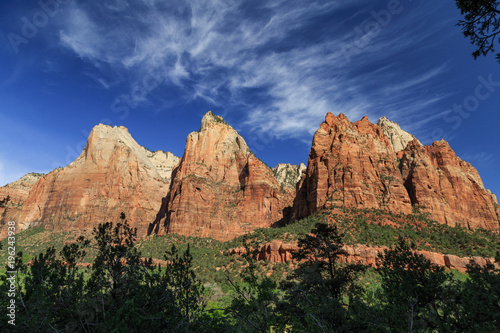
<point>398,137</point>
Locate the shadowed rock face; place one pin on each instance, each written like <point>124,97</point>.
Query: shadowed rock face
<point>220,189</point>
<point>351,164</point>
<point>448,188</point>
<point>113,174</point>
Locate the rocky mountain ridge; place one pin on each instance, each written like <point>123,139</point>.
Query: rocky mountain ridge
<point>399,138</point>
<point>355,165</point>
<point>17,192</point>
<point>220,189</point>
<point>288,175</point>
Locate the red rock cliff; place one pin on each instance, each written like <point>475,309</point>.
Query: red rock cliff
<point>447,187</point>
<point>113,174</point>
<point>351,164</point>
<point>354,165</point>
<point>220,189</point>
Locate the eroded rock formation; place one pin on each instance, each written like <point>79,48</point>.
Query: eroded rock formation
<point>220,189</point>
<point>355,165</point>
<point>447,187</point>
<point>351,165</point>
<point>113,174</point>
<point>279,251</point>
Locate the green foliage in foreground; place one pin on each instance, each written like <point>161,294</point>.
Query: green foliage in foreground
<point>122,292</point>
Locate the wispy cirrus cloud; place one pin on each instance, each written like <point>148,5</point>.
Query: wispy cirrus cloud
<point>280,62</point>
<point>480,158</point>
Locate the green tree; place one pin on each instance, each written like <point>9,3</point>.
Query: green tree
<point>129,293</point>
<point>123,291</point>
<point>254,300</point>
<point>481,24</point>
<point>187,291</point>
<point>414,290</point>
<point>50,291</point>
<point>321,289</point>
<point>477,306</point>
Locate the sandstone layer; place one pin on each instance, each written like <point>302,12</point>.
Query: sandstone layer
<point>447,187</point>
<point>351,165</point>
<point>282,252</point>
<point>113,174</point>
<point>219,189</point>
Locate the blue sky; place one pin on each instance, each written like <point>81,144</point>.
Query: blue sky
<point>272,69</point>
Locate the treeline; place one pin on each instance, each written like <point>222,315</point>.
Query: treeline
<point>122,292</point>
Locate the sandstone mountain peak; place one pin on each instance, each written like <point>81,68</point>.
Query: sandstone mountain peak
<point>17,192</point>
<point>351,164</point>
<point>219,189</point>
<point>398,137</point>
<point>355,164</point>
<point>26,181</point>
<point>447,187</point>
<point>113,174</point>
<point>213,119</point>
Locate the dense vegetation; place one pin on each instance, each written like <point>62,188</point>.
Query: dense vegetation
<point>200,288</point>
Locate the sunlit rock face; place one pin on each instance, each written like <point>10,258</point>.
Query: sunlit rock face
<point>447,187</point>
<point>220,188</point>
<point>398,137</point>
<point>17,192</point>
<point>356,165</point>
<point>351,165</point>
<point>113,174</point>
<point>288,175</point>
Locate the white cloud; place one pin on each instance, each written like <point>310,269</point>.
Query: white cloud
<point>479,158</point>
<point>211,47</point>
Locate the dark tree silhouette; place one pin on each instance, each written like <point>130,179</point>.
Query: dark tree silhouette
<point>481,24</point>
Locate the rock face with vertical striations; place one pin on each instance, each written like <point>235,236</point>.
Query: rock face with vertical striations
<point>351,165</point>
<point>219,189</point>
<point>355,165</point>
<point>113,174</point>
<point>448,188</point>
